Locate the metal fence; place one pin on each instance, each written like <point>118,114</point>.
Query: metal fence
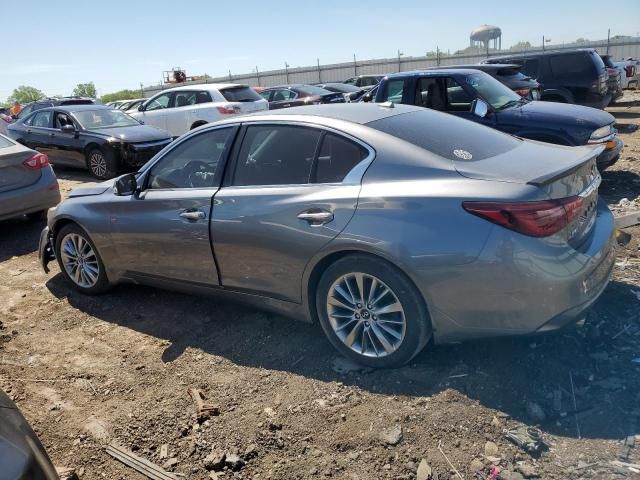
<point>338,72</point>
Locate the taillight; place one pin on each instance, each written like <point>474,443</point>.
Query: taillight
<point>536,219</point>
<point>629,70</point>
<point>227,110</point>
<point>39,160</point>
<point>523,92</point>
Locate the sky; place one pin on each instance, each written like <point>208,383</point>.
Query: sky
<point>119,44</point>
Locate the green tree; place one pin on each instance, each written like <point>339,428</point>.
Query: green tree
<point>26,94</point>
<point>85,90</point>
<point>520,46</point>
<point>121,95</point>
<point>581,40</point>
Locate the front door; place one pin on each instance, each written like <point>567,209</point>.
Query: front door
<point>286,198</point>
<point>66,148</point>
<point>164,231</point>
<point>154,112</point>
<point>184,109</point>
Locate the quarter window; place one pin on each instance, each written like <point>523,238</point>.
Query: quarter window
<point>185,99</point>
<point>203,97</point>
<point>158,103</point>
<point>337,157</point>
<point>193,163</point>
<point>572,64</point>
<point>276,155</point>
<point>42,119</point>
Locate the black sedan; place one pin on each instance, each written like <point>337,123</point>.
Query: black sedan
<point>285,96</point>
<point>351,93</point>
<point>104,140</point>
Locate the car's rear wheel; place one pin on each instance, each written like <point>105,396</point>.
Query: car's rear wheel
<point>371,312</point>
<point>79,260</point>
<point>102,164</point>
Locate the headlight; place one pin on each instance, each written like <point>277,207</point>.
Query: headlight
<point>601,133</point>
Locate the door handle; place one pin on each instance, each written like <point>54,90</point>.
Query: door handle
<point>193,215</point>
<point>316,217</point>
<point>28,130</point>
<point>52,134</point>
<point>286,105</point>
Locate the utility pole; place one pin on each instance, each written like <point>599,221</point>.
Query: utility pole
<point>141,90</point>
<point>258,75</point>
<point>437,56</point>
<point>319,76</point>
<point>286,71</point>
<point>230,78</point>
<point>355,66</point>
<point>399,54</point>
<point>608,39</point>
<point>543,43</point>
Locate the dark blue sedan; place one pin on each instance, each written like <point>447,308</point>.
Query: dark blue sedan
<point>476,96</point>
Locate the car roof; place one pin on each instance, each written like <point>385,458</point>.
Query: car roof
<point>539,53</point>
<point>291,85</point>
<point>481,66</point>
<point>358,113</point>
<point>205,86</point>
<point>76,108</point>
<point>435,72</point>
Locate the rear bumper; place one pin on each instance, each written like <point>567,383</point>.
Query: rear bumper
<point>610,155</point>
<point>521,285</point>
<point>41,195</point>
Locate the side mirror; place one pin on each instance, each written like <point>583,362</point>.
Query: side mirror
<point>141,107</point>
<point>68,129</point>
<point>367,97</point>
<point>126,185</point>
<point>479,108</point>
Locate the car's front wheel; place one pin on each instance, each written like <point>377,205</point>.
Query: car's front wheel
<point>102,165</point>
<point>371,312</point>
<point>79,260</point>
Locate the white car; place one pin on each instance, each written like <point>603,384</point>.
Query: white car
<point>630,72</point>
<point>181,109</point>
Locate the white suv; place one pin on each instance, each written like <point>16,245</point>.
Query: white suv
<point>181,109</point>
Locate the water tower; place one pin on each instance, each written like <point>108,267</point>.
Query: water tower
<point>485,37</point>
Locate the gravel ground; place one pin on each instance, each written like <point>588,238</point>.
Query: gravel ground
<point>87,371</point>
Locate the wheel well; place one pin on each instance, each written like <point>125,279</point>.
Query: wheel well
<point>59,224</point>
<point>90,147</point>
<point>323,264</point>
<point>197,124</point>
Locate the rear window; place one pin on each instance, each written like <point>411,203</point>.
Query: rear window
<point>240,94</point>
<point>445,135</point>
<point>79,102</point>
<point>5,142</point>
<point>311,90</point>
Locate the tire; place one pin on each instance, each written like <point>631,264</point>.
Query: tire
<point>405,332</point>
<point>101,164</point>
<point>197,124</point>
<point>92,279</point>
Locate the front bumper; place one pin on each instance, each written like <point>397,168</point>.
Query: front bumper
<point>137,154</point>
<point>610,155</point>
<point>46,252</point>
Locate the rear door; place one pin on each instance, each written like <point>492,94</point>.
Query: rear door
<point>184,112</point>
<point>163,232</point>
<point>288,194</point>
<point>13,173</point>
<point>40,133</point>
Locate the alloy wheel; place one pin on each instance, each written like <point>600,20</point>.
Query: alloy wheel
<point>79,260</point>
<point>366,315</point>
<point>98,164</point>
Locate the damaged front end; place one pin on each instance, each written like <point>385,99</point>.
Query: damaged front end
<point>46,252</point>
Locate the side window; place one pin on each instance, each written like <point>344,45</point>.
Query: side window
<point>25,111</point>
<point>29,120</point>
<point>531,68</point>
<point>158,103</point>
<point>337,157</point>
<point>393,91</point>
<point>430,94</point>
<point>276,155</point>
<point>184,99</point>
<point>368,81</point>
<point>62,119</point>
<point>570,65</point>
<point>265,94</point>
<point>193,163</point>
<point>42,119</point>
<point>351,81</point>
<point>203,97</point>
<point>282,95</point>
<point>458,100</point>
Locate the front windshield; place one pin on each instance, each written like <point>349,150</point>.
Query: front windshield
<point>103,118</point>
<point>492,91</point>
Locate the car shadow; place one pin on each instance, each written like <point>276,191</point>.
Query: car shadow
<point>619,184</point>
<point>511,375</point>
<point>73,174</point>
<point>19,236</point>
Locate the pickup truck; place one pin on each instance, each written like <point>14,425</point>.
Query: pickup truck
<point>476,96</point>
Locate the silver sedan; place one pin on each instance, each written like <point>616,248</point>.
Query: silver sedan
<point>28,185</point>
<point>389,225</point>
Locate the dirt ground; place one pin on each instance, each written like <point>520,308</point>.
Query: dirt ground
<point>87,371</point>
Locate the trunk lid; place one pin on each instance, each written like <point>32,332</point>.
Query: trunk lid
<point>333,98</point>
<point>561,173</point>
<point>13,173</point>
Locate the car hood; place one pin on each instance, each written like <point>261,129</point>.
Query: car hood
<point>574,115</point>
<point>91,189</point>
<point>134,133</point>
